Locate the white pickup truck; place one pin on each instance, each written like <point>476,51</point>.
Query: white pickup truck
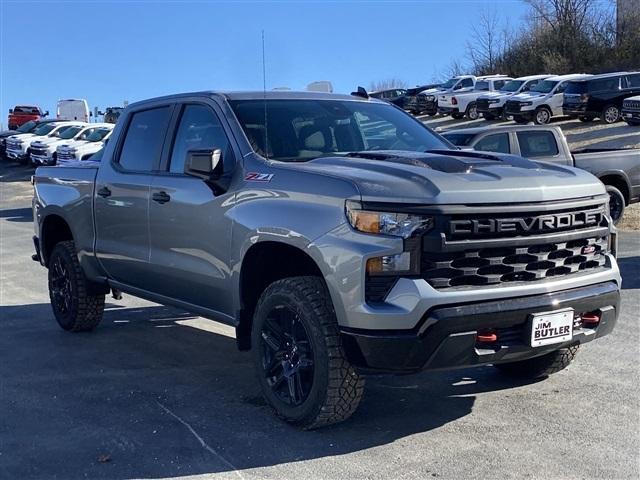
<point>43,152</point>
<point>460,104</point>
<point>491,104</point>
<point>18,146</point>
<point>542,102</point>
<point>84,148</point>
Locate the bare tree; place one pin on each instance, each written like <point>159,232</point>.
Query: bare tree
<point>387,84</point>
<point>488,42</point>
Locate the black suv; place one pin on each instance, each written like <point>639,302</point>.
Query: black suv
<point>393,95</point>
<point>600,96</point>
<point>417,102</point>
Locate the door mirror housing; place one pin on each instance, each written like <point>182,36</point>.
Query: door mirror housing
<point>46,114</point>
<point>206,164</point>
<point>11,110</point>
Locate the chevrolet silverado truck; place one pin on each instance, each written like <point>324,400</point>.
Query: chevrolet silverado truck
<point>339,236</point>
<point>491,104</point>
<point>618,169</point>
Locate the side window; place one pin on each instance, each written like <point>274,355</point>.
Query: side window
<point>633,81</point>
<point>498,142</point>
<point>498,84</point>
<point>143,142</point>
<point>199,129</point>
<point>537,144</point>
<point>467,82</point>
<point>561,88</point>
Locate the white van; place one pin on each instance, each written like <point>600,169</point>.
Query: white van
<point>73,109</point>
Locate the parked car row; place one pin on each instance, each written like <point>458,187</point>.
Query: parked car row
<point>534,98</point>
<point>50,142</point>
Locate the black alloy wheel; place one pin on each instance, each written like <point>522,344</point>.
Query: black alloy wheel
<point>60,286</point>
<point>287,356</point>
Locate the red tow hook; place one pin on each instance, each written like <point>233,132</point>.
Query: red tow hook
<point>486,336</point>
<point>590,319</point>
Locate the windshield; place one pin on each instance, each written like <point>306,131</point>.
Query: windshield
<point>482,85</point>
<point>301,130</point>
<point>449,83</point>
<point>98,134</point>
<point>27,127</point>
<point>544,87</point>
<point>512,86</point>
<point>44,129</point>
<point>69,132</point>
<point>459,139</point>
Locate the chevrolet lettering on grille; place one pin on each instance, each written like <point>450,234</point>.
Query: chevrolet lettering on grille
<point>542,223</point>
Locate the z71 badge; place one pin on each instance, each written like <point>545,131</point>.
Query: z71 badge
<point>258,177</point>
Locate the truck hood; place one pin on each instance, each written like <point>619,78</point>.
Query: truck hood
<point>48,141</point>
<point>22,136</point>
<point>524,97</point>
<point>496,94</point>
<point>456,177</point>
<point>432,91</point>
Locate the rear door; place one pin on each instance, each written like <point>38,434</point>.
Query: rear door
<point>556,100</point>
<point>122,196</point>
<point>190,231</point>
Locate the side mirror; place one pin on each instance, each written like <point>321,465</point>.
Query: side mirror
<point>457,87</point>
<point>206,164</point>
<point>46,114</point>
<point>11,110</point>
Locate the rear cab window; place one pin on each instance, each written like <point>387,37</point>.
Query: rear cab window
<point>143,141</point>
<point>537,144</point>
<point>497,142</point>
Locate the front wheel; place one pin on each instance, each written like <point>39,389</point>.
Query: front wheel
<point>542,366</point>
<point>74,308</point>
<point>542,116</point>
<point>297,351</point>
<point>610,114</point>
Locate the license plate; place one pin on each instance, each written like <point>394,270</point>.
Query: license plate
<point>551,327</point>
<point>627,115</point>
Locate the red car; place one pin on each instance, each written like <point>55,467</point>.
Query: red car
<point>23,113</point>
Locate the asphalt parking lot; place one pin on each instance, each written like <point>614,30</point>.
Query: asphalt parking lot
<point>157,393</point>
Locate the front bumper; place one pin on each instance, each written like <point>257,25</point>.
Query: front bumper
<point>446,335</point>
<point>17,155</point>
<point>491,109</point>
<point>42,159</point>
<point>630,115</point>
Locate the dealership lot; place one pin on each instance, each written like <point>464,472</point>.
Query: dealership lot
<point>157,393</point>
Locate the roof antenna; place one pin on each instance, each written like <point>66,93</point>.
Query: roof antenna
<point>264,100</point>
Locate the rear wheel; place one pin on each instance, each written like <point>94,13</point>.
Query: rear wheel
<point>540,367</point>
<point>616,203</point>
<point>542,116</point>
<point>74,308</point>
<point>610,114</point>
<point>297,351</point>
<point>472,111</point>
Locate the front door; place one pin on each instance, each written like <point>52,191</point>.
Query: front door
<point>190,231</point>
<point>122,197</point>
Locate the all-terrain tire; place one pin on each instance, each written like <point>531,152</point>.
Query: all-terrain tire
<point>540,367</point>
<point>337,388</point>
<point>78,311</point>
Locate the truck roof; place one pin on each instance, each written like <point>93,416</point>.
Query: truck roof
<point>603,75</point>
<point>499,129</point>
<point>535,77</point>
<point>260,95</point>
<point>572,76</point>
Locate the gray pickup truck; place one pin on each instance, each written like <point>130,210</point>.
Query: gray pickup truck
<point>618,169</point>
<point>338,235</point>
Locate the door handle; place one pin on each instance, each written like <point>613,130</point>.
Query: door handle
<point>160,197</point>
<point>104,192</point>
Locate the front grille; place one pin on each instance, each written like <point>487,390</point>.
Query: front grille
<point>502,265</point>
<point>66,155</point>
<point>512,106</point>
<point>482,104</point>
<point>42,151</point>
<point>631,105</point>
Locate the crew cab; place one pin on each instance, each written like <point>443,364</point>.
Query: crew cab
<point>460,104</point>
<point>618,169</point>
<point>84,148</point>
<point>459,83</point>
<point>600,96</point>
<point>631,110</point>
<point>28,127</point>
<point>339,236</point>
<point>17,146</point>
<point>21,114</point>
<point>491,104</point>
<point>391,95</point>
<point>543,102</point>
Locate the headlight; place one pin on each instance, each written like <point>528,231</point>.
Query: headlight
<point>403,225</point>
<point>526,104</point>
<point>431,98</point>
<point>494,101</point>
